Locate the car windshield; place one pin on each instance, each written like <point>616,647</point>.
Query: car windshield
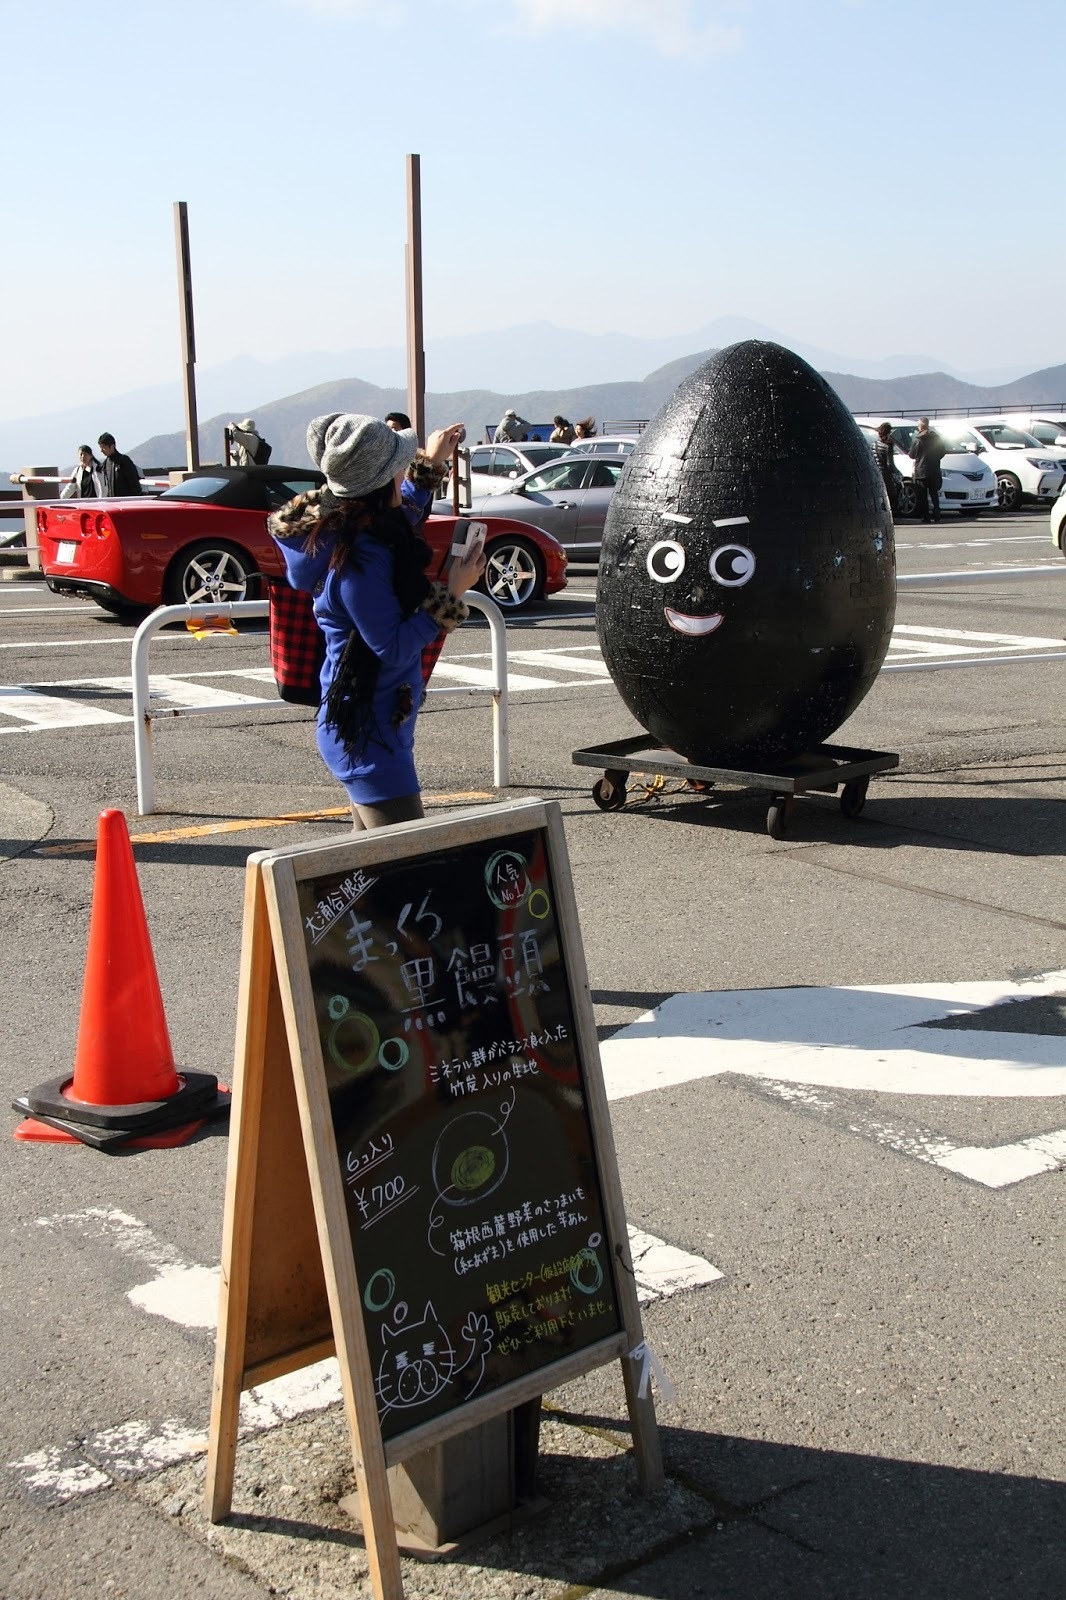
<point>195,489</point>
<point>1049,431</point>
<point>563,475</point>
<point>537,453</point>
<point>1004,437</point>
<point>957,444</point>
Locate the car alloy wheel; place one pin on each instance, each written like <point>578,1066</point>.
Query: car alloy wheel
<point>907,499</point>
<point>210,574</point>
<point>514,573</point>
<point>1009,491</point>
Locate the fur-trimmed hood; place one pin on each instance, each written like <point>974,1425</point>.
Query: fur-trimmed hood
<point>291,526</point>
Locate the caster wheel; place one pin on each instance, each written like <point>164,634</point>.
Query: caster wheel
<point>779,815</point>
<point>610,792</point>
<point>853,796</point>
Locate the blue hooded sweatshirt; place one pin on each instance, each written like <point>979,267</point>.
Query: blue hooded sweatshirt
<point>362,598</point>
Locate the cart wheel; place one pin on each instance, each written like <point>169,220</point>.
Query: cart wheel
<point>853,796</point>
<point>779,815</point>
<point>609,792</point>
<point>699,785</point>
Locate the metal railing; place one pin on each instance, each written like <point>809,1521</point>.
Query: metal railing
<point>144,714</point>
<point>1020,408</point>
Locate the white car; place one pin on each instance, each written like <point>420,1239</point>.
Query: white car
<point>969,486</point>
<point>495,466</point>
<point>1025,469</point>
<point>1058,521</point>
<point>604,444</point>
<point>1046,426</point>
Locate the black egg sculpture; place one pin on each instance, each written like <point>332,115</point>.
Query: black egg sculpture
<point>747,579</point>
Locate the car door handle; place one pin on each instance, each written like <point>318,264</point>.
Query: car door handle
<point>564,505</point>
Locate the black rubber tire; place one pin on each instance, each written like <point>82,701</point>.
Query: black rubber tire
<point>779,815</point>
<point>122,609</point>
<point>853,796</point>
<point>1008,491</point>
<point>609,792</point>
<point>226,574</point>
<point>906,499</point>
<point>514,573</point>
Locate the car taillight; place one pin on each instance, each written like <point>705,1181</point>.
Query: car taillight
<point>42,521</point>
<point>104,526</point>
<point>85,522</point>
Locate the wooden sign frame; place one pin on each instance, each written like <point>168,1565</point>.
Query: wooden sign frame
<point>290,1294</point>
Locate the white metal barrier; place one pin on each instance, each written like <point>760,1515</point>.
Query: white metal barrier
<point>144,715</point>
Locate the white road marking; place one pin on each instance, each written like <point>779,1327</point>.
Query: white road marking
<point>42,611</point>
<point>874,1038</point>
<point>186,1294</point>
<point>560,661</point>
<point>994,1166</point>
<point>1005,641</point>
<point>181,691</point>
<point>38,711</point>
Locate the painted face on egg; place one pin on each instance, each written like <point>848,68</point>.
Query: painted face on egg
<point>747,579</point>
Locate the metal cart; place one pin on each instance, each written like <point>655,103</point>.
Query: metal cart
<point>825,769</point>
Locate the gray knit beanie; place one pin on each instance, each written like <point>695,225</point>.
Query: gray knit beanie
<point>358,454</point>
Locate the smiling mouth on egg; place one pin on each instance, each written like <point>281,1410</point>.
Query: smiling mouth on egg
<point>682,622</point>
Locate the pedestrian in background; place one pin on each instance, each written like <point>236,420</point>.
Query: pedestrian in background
<point>511,428</point>
<point>585,429</point>
<point>885,452</point>
<point>87,482</point>
<point>117,472</point>
<point>562,433</point>
<point>352,546</point>
<point>927,451</point>
<point>247,445</point>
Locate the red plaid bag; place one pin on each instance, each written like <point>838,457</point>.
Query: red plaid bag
<point>297,644</point>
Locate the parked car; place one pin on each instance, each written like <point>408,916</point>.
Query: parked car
<point>969,486</point>
<point>205,542</point>
<point>606,444</point>
<point>569,498</point>
<point>1025,469</point>
<point>1058,521</point>
<point>492,466</point>
<point>1045,426</point>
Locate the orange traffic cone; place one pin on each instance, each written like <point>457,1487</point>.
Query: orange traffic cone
<point>125,1084</point>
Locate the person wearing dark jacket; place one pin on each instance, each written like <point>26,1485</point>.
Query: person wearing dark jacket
<point>118,473</point>
<point>927,451</point>
<point>351,545</point>
<point>885,453</point>
<point>86,482</point>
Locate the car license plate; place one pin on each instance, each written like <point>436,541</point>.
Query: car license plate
<point>66,550</point>
<point>977,494</point>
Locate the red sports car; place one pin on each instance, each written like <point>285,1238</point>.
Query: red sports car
<point>204,542</point>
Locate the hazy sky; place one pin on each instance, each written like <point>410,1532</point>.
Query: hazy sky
<point>871,178</point>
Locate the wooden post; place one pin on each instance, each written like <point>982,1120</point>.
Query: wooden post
<point>188,337</point>
<point>455,480</point>
<point>416,356</point>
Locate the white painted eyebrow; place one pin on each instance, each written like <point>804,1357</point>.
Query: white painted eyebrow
<point>674,516</point>
<point>730,522</point>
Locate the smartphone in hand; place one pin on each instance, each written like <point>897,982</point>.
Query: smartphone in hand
<point>468,538</point>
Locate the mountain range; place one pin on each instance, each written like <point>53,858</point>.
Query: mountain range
<point>537,367</point>
<point>284,422</point>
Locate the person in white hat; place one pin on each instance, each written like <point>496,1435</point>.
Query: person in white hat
<point>352,546</point>
<point>247,446</point>
<point>511,428</point>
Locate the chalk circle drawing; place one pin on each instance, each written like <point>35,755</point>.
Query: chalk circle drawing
<point>595,1240</point>
<point>586,1274</point>
<point>338,1007</point>
<point>420,1361</point>
<point>471,1159</point>
<point>393,1054</point>
<point>506,879</point>
<point>473,1168</point>
<point>380,1290</point>
<point>539,904</point>
<point>353,1042</point>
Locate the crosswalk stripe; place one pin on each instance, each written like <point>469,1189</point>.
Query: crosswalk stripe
<point>482,677</point>
<point>593,666</point>
<point>49,711</point>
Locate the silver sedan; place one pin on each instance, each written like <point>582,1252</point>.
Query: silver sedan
<point>569,498</point>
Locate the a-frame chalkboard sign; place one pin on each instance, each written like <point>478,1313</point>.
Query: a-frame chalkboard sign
<point>422,1176</point>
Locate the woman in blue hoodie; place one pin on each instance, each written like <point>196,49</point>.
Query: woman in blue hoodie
<point>352,545</point>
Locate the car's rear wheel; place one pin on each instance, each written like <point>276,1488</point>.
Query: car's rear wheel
<point>906,499</point>
<point>514,573</point>
<point>1009,491</point>
<point>211,573</point>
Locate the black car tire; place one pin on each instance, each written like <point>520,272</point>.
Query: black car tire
<point>214,558</point>
<point>1008,491</point>
<point>121,608</point>
<point>514,573</point>
<point>906,499</point>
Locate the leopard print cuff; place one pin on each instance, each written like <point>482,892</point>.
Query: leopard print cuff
<point>424,475</point>
<point>445,607</point>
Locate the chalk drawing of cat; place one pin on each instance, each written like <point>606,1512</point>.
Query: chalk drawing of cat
<point>420,1361</point>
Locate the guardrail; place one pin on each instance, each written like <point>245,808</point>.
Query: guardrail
<point>1017,408</point>
<point>144,715</point>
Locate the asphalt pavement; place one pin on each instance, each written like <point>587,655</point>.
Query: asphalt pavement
<point>837,1070</point>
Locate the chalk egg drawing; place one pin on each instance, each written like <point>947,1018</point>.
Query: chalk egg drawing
<point>747,579</point>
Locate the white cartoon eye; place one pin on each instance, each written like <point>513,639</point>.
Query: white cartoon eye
<point>666,561</point>
<point>731,565</point>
